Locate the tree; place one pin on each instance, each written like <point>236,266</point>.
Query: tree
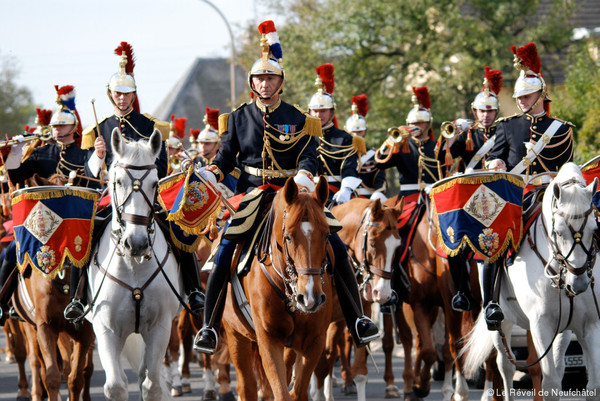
<point>580,98</point>
<point>382,48</point>
<point>16,102</point>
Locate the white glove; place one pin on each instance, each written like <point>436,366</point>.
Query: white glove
<point>18,147</point>
<point>343,195</point>
<point>378,195</point>
<point>496,164</point>
<point>302,179</point>
<point>207,175</point>
<point>463,124</point>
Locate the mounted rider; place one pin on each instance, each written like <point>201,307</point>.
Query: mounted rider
<point>372,179</point>
<point>338,150</point>
<point>133,126</point>
<point>62,156</point>
<point>529,143</point>
<point>468,146</point>
<point>271,140</point>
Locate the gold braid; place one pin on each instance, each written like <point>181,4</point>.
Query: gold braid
<point>344,152</point>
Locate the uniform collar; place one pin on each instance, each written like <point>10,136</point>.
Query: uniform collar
<point>119,117</point>
<point>328,126</point>
<point>535,118</point>
<point>270,108</point>
<point>64,146</point>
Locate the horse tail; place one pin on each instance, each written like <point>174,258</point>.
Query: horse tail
<point>479,345</point>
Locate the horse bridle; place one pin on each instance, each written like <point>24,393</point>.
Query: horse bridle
<point>136,187</point>
<point>366,269</point>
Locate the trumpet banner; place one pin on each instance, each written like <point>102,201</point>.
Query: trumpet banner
<point>482,211</point>
<point>53,225</point>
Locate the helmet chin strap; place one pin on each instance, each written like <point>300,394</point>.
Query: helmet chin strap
<point>540,98</point>
<point>128,108</point>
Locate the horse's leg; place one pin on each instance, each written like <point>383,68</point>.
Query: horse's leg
<point>345,357</point>
<point>16,337</point>
<point>109,345</point>
<point>186,337</point>
<point>88,370</point>
<point>590,344</point>
<point>222,360</point>
<point>324,368</point>
<point>447,385</point>
<point>535,371</point>
<point>79,356</point>
<point>47,342</point>
<point>426,355</point>
<point>35,364</point>
<point>507,369</point>
<point>551,377</point>
<point>240,349</point>
<point>173,356</point>
<point>304,368</point>
<point>406,338</point>
<point>156,341</point>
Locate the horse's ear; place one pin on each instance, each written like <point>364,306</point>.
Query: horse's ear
<point>593,187</point>
<point>290,191</point>
<point>376,209</point>
<point>117,142</point>
<point>322,191</point>
<point>556,191</point>
<point>156,142</point>
<point>399,207</point>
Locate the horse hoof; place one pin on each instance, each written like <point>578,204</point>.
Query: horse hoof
<point>392,391</point>
<point>176,391</point>
<point>410,396</point>
<point>420,392</point>
<point>349,389</point>
<point>227,397</point>
<point>210,395</point>
<point>186,388</point>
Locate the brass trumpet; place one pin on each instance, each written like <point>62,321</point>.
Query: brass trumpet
<point>451,129</point>
<point>26,138</point>
<point>398,134</point>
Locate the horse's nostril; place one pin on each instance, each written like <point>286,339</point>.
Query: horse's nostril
<point>300,299</point>
<point>322,299</point>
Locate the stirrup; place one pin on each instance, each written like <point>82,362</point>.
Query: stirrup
<point>206,348</point>
<point>460,302</point>
<point>367,337</point>
<point>74,307</point>
<point>493,318</point>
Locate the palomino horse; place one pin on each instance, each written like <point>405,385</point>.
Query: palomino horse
<point>133,278</point>
<point>547,289</point>
<point>289,294</point>
<point>370,234</point>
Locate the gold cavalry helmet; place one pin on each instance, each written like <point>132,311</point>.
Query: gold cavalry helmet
<point>210,133</point>
<point>325,83</point>
<point>67,113</point>
<point>123,80</point>
<point>421,107</point>
<point>271,60</point>
<point>360,107</point>
<point>177,132</point>
<point>530,79</point>
<point>487,99</point>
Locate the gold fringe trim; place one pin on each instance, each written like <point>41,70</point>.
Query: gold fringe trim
<point>359,145</point>
<point>312,126</point>
<point>88,137</point>
<point>479,180</point>
<point>590,166</point>
<point>223,119</point>
<point>166,185</point>
<point>185,247</point>
<point>58,193</point>
<point>163,126</point>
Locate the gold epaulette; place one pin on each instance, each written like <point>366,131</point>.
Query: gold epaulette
<point>358,142</point>
<point>223,118</point>
<point>312,126</point>
<point>88,136</point>
<point>565,122</point>
<point>163,126</point>
<point>499,120</point>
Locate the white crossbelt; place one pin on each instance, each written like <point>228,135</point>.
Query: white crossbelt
<point>536,149</point>
<point>483,150</point>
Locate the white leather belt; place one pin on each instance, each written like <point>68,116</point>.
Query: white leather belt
<point>259,172</point>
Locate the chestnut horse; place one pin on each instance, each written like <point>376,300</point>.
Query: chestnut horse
<point>370,234</point>
<point>289,294</point>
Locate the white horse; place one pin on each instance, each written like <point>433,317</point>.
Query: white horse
<point>549,289</point>
<point>130,272</point>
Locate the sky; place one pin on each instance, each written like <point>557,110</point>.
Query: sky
<point>72,42</point>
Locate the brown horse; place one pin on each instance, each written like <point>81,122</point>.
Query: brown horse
<point>370,234</point>
<point>289,294</point>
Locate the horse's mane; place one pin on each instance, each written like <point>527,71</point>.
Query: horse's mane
<point>305,205</point>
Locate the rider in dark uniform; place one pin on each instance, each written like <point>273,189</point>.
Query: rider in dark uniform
<point>271,140</point>
<point>372,184</point>
<point>133,126</point>
<point>466,143</point>
<point>528,143</point>
<point>62,156</point>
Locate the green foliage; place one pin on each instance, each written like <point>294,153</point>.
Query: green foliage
<point>383,48</point>
<point>16,103</point>
<point>580,98</point>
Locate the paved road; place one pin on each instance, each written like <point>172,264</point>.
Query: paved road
<point>375,385</point>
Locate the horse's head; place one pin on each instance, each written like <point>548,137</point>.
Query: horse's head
<point>300,232</point>
<point>133,184</point>
<point>376,243</point>
<point>570,224</point>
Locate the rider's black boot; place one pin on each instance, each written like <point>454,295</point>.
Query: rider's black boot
<point>8,285</point>
<point>191,282</point>
<point>206,340</point>
<point>75,310</point>
<point>492,313</point>
<point>362,328</point>
<point>458,268</point>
